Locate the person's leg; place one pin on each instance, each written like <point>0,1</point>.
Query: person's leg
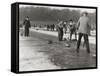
<point>87,42</point>
<point>79,41</point>
<point>27,32</point>
<point>75,35</point>
<point>70,35</point>
<point>61,34</point>
<point>48,28</point>
<point>53,28</point>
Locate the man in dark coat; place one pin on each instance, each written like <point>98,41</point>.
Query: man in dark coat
<point>83,30</point>
<point>60,30</point>
<point>53,27</point>
<point>48,27</point>
<point>72,29</point>
<point>27,26</point>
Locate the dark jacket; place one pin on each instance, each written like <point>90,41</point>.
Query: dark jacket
<point>83,25</point>
<point>60,27</point>
<point>27,24</point>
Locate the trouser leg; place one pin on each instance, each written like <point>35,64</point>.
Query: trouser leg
<point>87,42</point>
<point>79,41</point>
<point>75,35</point>
<point>25,33</point>
<point>70,35</point>
<point>59,36</point>
<point>28,32</point>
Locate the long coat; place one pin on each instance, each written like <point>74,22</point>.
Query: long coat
<point>26,27</point>
<point>27,24</point>
<point>83,25</point>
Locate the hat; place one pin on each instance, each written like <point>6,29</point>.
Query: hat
<point>84,13</point>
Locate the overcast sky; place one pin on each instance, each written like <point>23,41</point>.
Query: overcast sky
<point>60,8</point>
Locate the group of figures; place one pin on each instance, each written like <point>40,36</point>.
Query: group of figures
<point>82,27</point>
<point>50,27</point>
<point>66,26</point>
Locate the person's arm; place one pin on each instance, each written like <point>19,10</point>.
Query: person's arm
<point>23,25</point>
<point>89,27</point>
<point>29,24</point>
<point>78,24</point>
<point>68,26</point>
<point>24,22</point>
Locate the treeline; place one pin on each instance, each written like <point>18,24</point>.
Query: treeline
<point>47,14</point>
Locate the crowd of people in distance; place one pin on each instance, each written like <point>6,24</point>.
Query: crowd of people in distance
<point>50,27</point>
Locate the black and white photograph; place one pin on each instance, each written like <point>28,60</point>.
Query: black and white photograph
<point>57,37</point>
